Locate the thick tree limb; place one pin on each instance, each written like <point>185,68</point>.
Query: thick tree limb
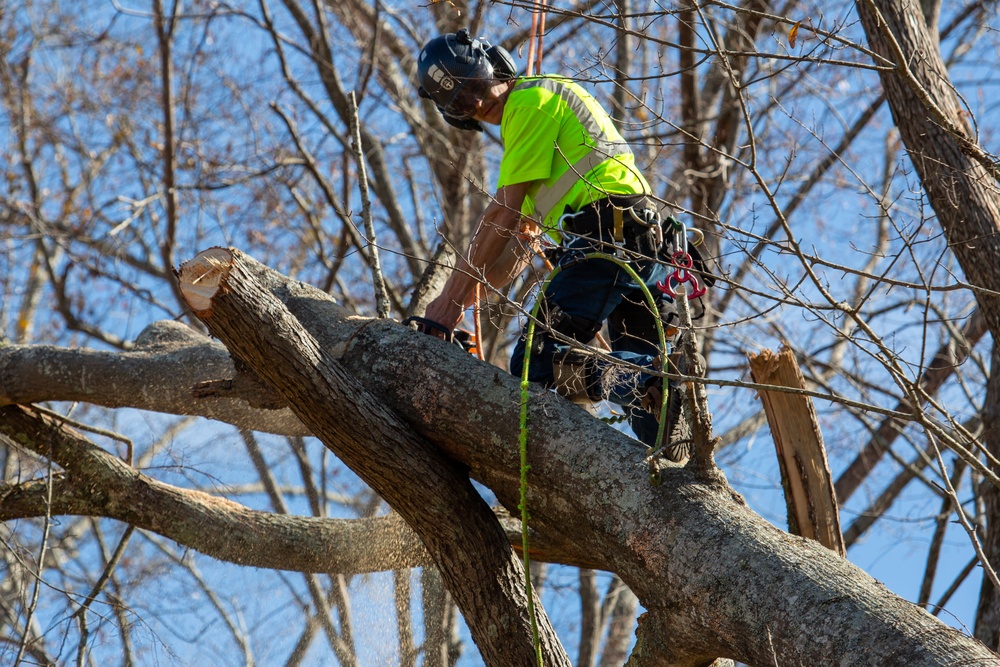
<point>212,525</point>
<point>159,374</point>
<point>431,492</point>
<point>96,483</point>
<point>714,576</point>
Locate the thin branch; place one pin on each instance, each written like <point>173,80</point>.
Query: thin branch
<point>378,281</point>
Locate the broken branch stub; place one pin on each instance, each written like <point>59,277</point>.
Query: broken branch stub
<point>798,440</point>
<point>201,278</point>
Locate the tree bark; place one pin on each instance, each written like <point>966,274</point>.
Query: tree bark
<point>168,360</point>
<point>430,491</point>
<point>962,192</point>
<point>961,186</point>
<point>716,579</point>
<point>212,525</point>
<point>987,628</point>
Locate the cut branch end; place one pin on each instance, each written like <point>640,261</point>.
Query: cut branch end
<point>202,276</point>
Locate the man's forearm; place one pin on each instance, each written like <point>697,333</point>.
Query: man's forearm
<point>495,256</point>
<point>511,262</point>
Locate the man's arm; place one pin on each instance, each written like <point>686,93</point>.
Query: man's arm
<point>496,254</point>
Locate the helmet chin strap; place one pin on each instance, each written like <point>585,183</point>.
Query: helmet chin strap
<point>462,123</point>
<point>470,124</point>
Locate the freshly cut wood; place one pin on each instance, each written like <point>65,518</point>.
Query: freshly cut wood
<point>798,440</point>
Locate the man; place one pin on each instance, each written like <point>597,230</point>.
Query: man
<point>567,170</point>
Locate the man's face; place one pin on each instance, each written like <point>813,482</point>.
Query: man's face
<point>482,101</point>
<point>489,108</point>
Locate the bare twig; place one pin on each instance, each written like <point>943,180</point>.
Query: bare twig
<point>381,295</point>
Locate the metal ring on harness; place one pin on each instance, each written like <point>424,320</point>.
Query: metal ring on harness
<point>649,217</point>
<point>699,236</point>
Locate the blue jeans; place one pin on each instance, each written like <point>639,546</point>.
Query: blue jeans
<point>588,292</point>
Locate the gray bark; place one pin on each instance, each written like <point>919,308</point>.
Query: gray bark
<point>169,359</point>
<point>960,182</point>
<point>987,628</point>
<point>229,293</point>
<point>715,578</point>
<point>688,548</point>
<point>212,525</point>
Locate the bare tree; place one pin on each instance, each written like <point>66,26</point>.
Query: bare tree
<point>837,158</point>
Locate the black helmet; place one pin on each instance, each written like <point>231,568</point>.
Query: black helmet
<point>455,70</point>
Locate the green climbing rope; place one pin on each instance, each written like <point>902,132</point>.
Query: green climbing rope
<point>523,434</point>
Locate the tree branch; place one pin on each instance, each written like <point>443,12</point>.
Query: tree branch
<point>590,487</point>
<point>465,541</point>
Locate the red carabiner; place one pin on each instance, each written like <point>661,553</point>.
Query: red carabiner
<point>681,274</point>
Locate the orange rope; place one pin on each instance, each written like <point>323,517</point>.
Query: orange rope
<point>477,326</point>
<point>540,37</point>
<point>532,35</point>
<point>535,39</point>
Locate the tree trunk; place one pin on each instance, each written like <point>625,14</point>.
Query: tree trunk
<point>961,187</point>
<point>987,628</point>
<point>716,579</point>
<point>430,491</point>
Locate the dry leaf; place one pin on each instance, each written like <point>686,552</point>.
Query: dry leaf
<point>793,35</point>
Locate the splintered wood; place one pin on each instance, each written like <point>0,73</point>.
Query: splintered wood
<point>805,472</point>
<point>201,276</point>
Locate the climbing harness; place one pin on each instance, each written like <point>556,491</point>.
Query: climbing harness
<point>681,283</point>
<point>529,342</point>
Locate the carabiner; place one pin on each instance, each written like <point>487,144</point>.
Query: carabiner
<point>682,274</point>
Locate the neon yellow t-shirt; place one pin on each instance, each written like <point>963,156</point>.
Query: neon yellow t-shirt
<point>550,123</point>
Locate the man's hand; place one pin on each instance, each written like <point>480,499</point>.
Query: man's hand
<point>445,312</point>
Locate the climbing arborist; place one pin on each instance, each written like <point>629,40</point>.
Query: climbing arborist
<point>566,171</point>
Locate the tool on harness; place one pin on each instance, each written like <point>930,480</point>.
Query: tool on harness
<point>684,263</point>
<point>650,219</point>
<point>628,223</point>
<point>465,339</point>
<point>682,274</point>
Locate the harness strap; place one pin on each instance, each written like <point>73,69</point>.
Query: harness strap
<point>548,197</point>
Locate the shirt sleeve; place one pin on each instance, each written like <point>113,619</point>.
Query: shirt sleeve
<point>529,138</point>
